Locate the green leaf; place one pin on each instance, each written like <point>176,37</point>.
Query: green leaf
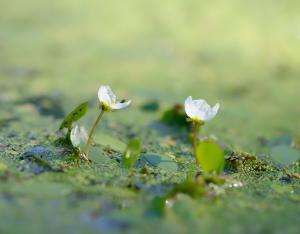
<point>97,156</point>
<point>112,142</point>
<point>211,157</point>
<point>281,140</point>
<point>156,208</point>
<point>75,115</point>
<point>132,153</point>
<point>161,161</point>
<point>284,155</point>
<point>175,116</point>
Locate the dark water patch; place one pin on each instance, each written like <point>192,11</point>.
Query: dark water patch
<point>107,224</point>
<point>36,160</point>
<point>238,91</point>
<point>159,189</point>
<point>102,218</point>
<point>19,71</point>
<point>151,106</point>
<point>46,105</point>
<point>175,117</point>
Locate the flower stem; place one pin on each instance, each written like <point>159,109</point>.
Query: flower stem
<point>87,146</point>
<point>196,128</point>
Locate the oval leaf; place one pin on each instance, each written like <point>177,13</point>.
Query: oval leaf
<point>211,157</point>
<point>132,153</point>
<point>97,156</point>
<point>284,155</point>
<point>107,140</point>
<point>75,115</point>
<point>161,161</point>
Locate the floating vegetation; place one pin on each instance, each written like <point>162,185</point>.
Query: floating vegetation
<point>175,116</point>
<point>46,105</point>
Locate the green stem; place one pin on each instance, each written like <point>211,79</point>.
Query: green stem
<point>196,128</point>
<point>87,146</point>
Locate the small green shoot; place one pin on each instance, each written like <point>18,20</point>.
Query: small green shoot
<point>132,153</point>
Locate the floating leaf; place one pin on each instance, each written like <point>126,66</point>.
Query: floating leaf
<point>132,153</point>
<point>211,157</point>
<point>161,161</point>
<point>112,142</point>
<point>284,155</point>
<point>75,115</point>
<point>97,156</point>
<point>281,140</point>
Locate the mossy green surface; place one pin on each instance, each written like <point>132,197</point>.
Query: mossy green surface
<point>55,55</point>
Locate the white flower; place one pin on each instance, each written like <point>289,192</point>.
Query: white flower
<point>78,135</point>
<point>109,101</point>
<point>199,110</point>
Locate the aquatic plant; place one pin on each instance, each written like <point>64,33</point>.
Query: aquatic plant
<point>108,103</point>
<point>199,112</point>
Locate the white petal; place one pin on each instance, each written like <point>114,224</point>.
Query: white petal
<point>75,139</point>
<point>120,105</point>
<point>190,108</point>
<point>212,112</point>
<point>106,95</point>
<point>199,109</point>
<point>78,135</point>
<point>83,135</point>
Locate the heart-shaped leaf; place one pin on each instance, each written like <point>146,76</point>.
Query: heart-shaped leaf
<point>75,115</point>
<point>132,153</point>
<point>211,157</point>
<point>161,161</point>
<point>284,155</point>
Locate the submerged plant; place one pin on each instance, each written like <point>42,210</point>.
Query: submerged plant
<point>68,122</point>
<point>108,103</point>
<point>199,112</point>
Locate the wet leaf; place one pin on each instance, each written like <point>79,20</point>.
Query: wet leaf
<point>211,157</point>
<point>97,156</point>
<point>75,115</point>
<point>281,140</point>
<point>161,161</point>
<point>284,155</point>
<point>132,153</point>
<point>112,142</point>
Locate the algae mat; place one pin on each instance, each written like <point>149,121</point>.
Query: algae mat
<point>242,54</point>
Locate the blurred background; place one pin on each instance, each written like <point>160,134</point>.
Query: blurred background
<point>244,54</point>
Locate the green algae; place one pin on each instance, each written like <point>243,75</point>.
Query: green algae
<point>254,78</point>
